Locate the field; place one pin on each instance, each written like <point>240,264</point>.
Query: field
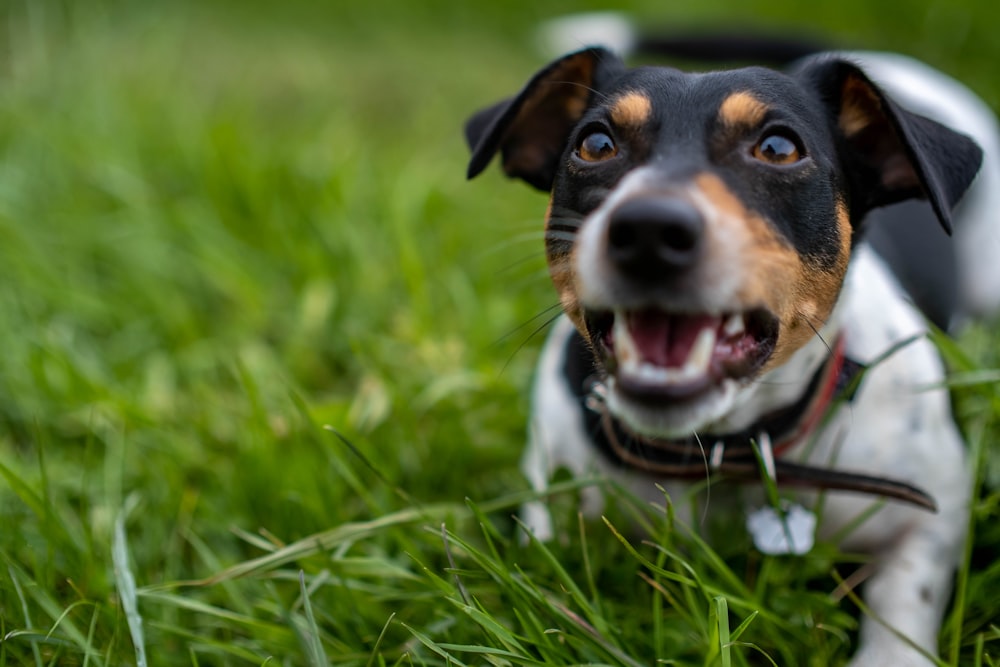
<point>266,355</point>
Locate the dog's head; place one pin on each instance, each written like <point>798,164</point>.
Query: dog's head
<point>700,225</point>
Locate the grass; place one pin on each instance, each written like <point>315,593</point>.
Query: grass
<point>266,357</point>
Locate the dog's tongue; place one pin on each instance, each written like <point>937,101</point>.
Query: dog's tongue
<point>666,340</point>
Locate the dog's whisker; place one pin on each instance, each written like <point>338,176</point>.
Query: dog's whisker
<point>517,240</point>
<point>523,224</point>
<point>533,236</point>
<point>526,323</point>
<point>816,331</point>
<point>542,327</point>
<point>527,260</point>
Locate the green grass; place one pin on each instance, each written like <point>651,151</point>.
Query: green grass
<point>263,376</point>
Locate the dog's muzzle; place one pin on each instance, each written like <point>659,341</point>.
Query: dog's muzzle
<point>654,333</point>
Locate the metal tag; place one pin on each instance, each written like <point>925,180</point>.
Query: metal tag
<point>790,531</point>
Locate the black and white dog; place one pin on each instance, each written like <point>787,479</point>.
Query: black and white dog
<point>747,261</point>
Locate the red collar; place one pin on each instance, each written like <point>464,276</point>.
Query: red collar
<point>830,380</point>
<point>735,456</point>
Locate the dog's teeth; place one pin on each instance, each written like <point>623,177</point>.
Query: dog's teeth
<point>701,353</point>
<point>734,325</point>
<point>631,363</point>
<point>625,349</point>
<point>655,374</point>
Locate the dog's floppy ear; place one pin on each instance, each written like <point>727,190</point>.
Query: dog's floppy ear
<point>893,154</point>
<point>531,129</point>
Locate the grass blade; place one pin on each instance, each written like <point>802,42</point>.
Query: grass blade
<point>317,656</point>
<point>127,592</point>
<point>721,612</point>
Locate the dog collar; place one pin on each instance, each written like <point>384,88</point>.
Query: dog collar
<point>733,455</point>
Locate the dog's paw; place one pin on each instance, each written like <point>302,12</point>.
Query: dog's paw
<point>897,655</point>
<point>537,521</point>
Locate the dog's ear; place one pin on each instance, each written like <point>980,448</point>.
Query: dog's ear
<point>531,129</point>
<point>893,154</point>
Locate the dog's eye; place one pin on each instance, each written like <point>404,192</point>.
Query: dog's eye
<point>777,149</point>
<point>596,147</point>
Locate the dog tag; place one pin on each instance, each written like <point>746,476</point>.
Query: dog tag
<point>774,534</point>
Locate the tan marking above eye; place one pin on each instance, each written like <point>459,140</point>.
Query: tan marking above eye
<point>777,149</point>
<point>597,146</point>
<point>631,109</point>
<point>742,108</point>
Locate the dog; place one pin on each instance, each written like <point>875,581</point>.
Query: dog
<point>748,263</point>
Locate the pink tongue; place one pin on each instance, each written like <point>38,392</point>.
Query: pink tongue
<point>666,340</point>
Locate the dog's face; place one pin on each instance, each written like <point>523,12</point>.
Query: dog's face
<point>700,225</point>
<point>678,241</point>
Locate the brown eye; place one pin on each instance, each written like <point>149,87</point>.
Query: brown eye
<point>596,147</point>
<point>777,149</point>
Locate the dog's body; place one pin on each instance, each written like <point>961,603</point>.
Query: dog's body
<point>705,238</point>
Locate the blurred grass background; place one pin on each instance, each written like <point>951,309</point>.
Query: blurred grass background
<point>226,225</point>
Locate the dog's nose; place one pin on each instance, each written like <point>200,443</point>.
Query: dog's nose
<point>653,237</point>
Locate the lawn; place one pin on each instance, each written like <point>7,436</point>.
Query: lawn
<point>266,355</point>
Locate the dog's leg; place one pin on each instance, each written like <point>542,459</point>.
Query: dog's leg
<point>538,469</point>
<point>910,589</point>
<point>908,593</point>
<point>915,553</point>
<point>900,425</point>
<point>907,597</point>
<point>557,438</point>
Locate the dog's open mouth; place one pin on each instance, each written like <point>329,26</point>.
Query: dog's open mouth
<point>655,355</point>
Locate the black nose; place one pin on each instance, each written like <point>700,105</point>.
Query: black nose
<point>654,237</point>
